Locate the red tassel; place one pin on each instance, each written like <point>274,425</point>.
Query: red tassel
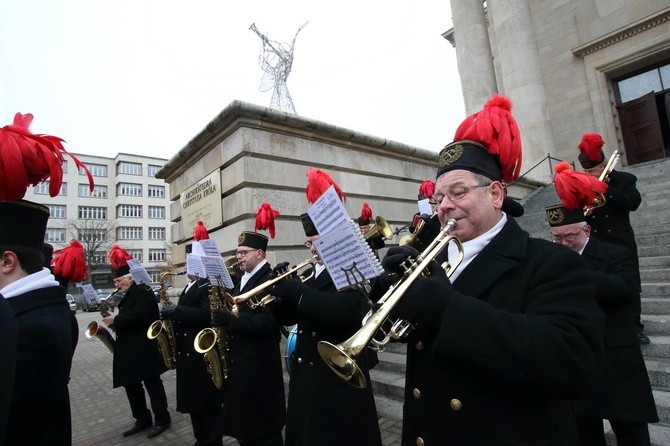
<point>265,219</point>
<point>27,159</point>
<point>71,262</point>
<point>118,256</point>
<point>575,189</point>
<point>317,183</point>
<point>591,145</point>
<point>200,232</point>
<point>495,127</point>
<point>366,213</point>
<point>427,188</point>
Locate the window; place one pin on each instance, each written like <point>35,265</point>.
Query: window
<point>129,233</point>
<point>98,191</point>
<point>155,276</point>
<point>56,210</point>
<point>97,170</point>
<point>93,235</point>
<point>64,166</point>
<point>136,253</point>
<point>99,258</point>
<point>54,235</point>
<point>92,213</point>
<point>156,211</point>
<point>152,169</point>
<point>156,233</point>
<point>129,189</point>
<point>656,80</point>
<point>157,255</point>
<point>156,191</point>
<point>129,168</point>
<point>129,211</point>
<point>43,188</point>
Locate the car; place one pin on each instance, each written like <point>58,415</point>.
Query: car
<point>72,302</point>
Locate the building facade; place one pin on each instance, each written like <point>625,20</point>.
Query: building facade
<point>570,67</point>
<point>128,206</point>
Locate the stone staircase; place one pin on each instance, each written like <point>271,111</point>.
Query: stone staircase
<point>652,232</point>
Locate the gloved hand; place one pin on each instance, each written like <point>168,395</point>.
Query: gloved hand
<point>168,311</point>
<point>426,300</point>
<point>379,285</point>
<point>288,290</point>
<point>396,256</point>
<point>221,317</point>
<point>279,269</point>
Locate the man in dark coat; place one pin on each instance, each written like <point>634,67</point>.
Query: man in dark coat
<point>322,408</point>
<point>254,411</point>
<point>136,357</point>
<point>196,394</point>
<point>623,394</point>
<point>610,223</point>
<point>8,363</point>
<point>44,330</point>
<point>501,344</point>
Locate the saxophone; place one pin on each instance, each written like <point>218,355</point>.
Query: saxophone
<point>162,329</point>
<point>212,343</point>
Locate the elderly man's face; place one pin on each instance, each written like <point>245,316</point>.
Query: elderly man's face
<point>248,258</point>
<point>596,171</point>
<point>123,283</point>
<point>574,236</point>
<point>474,204</point>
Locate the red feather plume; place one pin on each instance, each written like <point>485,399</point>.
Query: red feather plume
<point>265,219</point>
<point>366,212</point>
<point>427,188</point>
<point>318,182</point>
<point>27,159</point>
<point>495,127</point>
<point>591,146</point>
<point>118,256</point>
<point>71,262</point>
<point>576,189</point>
<point>200,232</point>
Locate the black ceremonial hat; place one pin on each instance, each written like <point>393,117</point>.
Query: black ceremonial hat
<point>23,223</point>
<point>253,240</point>
<point>558,215</point>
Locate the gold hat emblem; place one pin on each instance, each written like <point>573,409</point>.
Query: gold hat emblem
<point>555,216</point>
<point>241,238</point>
<point>450,154</point>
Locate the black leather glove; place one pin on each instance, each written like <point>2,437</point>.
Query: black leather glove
<point>426,300</point>
<point>396,256</point>
<point>279,269</point>
<point>168,311</point>
<point>221,317</point>
<point>288,290</point>
<point>380,285</point>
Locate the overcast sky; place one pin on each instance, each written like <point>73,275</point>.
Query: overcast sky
<point>145,76</point>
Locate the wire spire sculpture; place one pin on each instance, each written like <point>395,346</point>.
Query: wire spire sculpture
<point>276,61</point>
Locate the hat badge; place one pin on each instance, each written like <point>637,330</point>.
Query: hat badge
<point>241,238</point>
<point>555,216</point>
<point>450,155</point>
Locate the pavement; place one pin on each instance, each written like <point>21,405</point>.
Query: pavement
<point>100,413</point>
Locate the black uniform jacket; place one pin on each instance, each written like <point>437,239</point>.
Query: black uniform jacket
<point>611,222</point>
<point>322,408</point>
<point>136,357</point>
<point>255,405</point>
<point>40,408</point>
<point>195,390</point>
<point>521,335</point>
<point>8,362</point>
<point>623,393</point>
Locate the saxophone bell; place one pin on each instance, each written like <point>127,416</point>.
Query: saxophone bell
<point>162,329</point>
<point>95,330</point>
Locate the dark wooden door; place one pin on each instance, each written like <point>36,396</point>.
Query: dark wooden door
<point>641,130</point>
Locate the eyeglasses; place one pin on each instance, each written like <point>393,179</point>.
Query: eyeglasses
<point>456,192</point>
<point>243,252</point>
<point>569,237</point>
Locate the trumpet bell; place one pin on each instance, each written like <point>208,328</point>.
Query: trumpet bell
<point>343,363</point>
<point>380,229</point>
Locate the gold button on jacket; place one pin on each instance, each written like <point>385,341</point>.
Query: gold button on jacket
<point>417,393</point>
<point>456,404</point>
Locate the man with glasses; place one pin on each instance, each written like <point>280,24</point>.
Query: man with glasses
<point>623,393</point>
<point>498,347</point>
<point>254,408</point>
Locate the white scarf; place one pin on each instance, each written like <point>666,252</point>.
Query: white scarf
<point>35,281</point>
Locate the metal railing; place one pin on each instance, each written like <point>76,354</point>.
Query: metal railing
<point>549,159</point>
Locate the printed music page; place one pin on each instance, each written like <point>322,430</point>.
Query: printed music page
<point>328,211</point>
<point>194,266</point>
<point>216,271</point>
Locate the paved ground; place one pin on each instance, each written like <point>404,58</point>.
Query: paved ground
<point>100,413</point>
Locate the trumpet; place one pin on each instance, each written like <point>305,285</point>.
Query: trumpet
<point>343,359</point>
<point>380,229</point>
<point>251,296</point>
<point>599,199</point>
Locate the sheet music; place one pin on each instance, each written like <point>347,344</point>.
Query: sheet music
<point>194,266</point>
<point>216,270</point>
<point>89,293</point>
<point>328,211</point>
<point>343,248</point>
<point>140,275</point>
<point>425,207</point>
<point>209,248</point>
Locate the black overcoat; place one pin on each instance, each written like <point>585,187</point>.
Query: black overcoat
<point>520,336</point>
<point>40,407</point>
<point>136,357</point>
<point>195,390</point>
<point>8,363</point>
<point>623,393</point>
<point>322,408</point>
<point>255,404</point>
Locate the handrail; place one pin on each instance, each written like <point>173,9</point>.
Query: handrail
<point>546,158</point>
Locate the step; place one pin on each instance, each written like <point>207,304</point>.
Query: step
<point>655,305</point>
<point>649,226</point>
<point>659,261</point>
<point>391,362</point>
<point>652,290</point>
<point>388,384</point>
<point>656,324</point>
<point>659,249</point>
<point>658,370</point>
<point>652,240</point>
<point>662,400</point>
<point>388,407</point>
<point>659,347</point>
<point>654,275</point>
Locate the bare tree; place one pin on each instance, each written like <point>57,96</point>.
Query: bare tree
<point>97,236</point>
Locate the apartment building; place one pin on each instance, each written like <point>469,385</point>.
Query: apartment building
<point>128,206</point>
